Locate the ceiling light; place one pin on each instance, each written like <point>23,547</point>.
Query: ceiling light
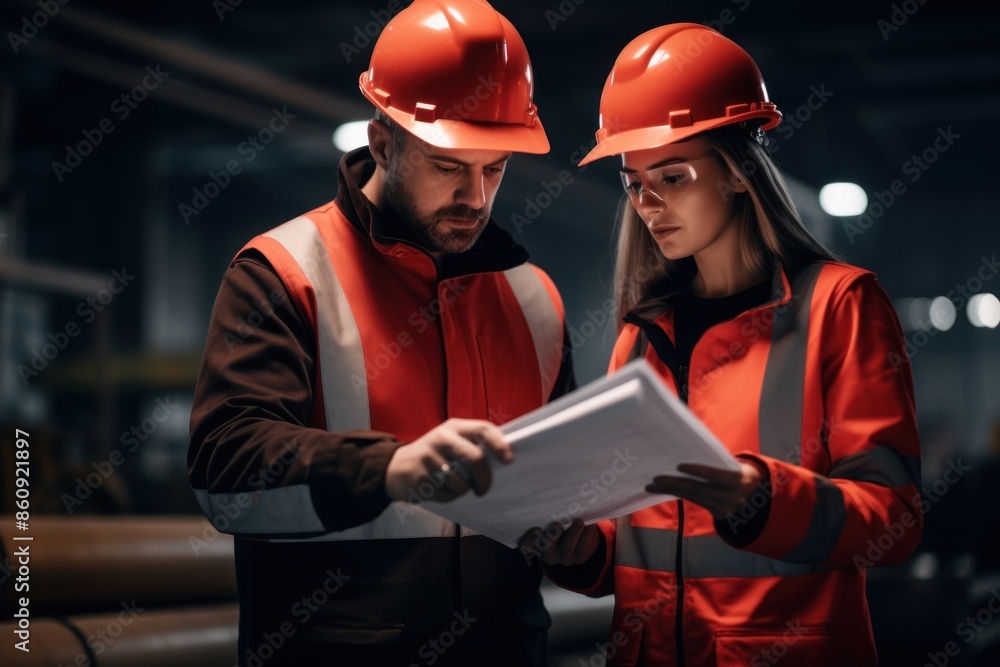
<point>984,311</point>
<point>942,313</point>
<point>843,199</point>
<point>351,135</point>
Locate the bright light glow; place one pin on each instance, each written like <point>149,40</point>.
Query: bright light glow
<point>843,199</point>
<point>919,314</point>
<point>903,312</point>
<point>942,312</point>
<point>351,135</point>
<point>984,311</point>
<point>989,311</point>
<point>924,566</point>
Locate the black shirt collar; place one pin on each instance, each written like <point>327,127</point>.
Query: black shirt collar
<point>664,294</point>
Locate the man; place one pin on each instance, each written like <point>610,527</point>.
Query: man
<point>400,325</point>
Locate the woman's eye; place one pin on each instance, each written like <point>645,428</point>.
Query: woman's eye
<point>675,178</point>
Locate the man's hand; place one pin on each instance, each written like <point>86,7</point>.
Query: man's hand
<point>719,491</point>
<point>450,458</point>
<point>556,546</point>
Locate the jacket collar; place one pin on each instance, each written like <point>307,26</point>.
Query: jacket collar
<point>495,250</point>
<point>662,295</point>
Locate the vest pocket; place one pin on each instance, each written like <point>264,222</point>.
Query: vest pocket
<point>358,633</point>
<point>795,645</point>
<point>335,642</point>
<point>497,368</point>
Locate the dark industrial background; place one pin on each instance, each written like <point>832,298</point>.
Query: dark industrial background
<point>116,227</point>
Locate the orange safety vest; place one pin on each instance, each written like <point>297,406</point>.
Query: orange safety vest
<point>400,352</point>
<point>816,386</point>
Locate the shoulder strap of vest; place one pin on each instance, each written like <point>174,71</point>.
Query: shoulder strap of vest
<point>543,310</point>
<point>299,255</point>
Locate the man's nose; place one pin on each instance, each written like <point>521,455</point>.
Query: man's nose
<point>472,191</point>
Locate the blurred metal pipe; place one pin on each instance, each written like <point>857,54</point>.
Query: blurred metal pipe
<point>228,71</point>
<point>576,619</point>
<point>201,637</point>
<point>96,563</point>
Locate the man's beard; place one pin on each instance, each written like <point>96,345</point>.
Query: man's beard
<point>427,231</point>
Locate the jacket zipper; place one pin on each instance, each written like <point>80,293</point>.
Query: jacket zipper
<point>681,377</point>
<point>679,570</point>
<point>667,353</point>
<point>682,387</point>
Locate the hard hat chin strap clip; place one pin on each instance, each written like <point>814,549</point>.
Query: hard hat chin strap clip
<point>757,134</point>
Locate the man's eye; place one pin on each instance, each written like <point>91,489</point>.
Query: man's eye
<point>493,171</point>
<point>445,170</point>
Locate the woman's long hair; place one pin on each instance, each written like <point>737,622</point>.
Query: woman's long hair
<point>772,230</point>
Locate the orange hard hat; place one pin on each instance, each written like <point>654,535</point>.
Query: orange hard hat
<point>456,74</point>
<point>673,82</point>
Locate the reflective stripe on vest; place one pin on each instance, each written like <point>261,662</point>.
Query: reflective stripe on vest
<point>286,510</point>
<point>879,465</point>
<point>781,405</point>
<point>289,510</point>
<point>781,397</point>
<point>339,340</point>
<point>543,320</point>
<point>704,555</point>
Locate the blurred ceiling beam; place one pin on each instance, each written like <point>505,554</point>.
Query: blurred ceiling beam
<point>955,108</point>
<point>47,278</point>
<point>230,72</point>
<point>173,90</point>
<point>933,33</point>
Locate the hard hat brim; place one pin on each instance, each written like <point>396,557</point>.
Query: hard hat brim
<point>459,134</point>
<point>450,133</point>
<point>657,137</point>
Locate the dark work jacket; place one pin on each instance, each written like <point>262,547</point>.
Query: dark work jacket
<point>329,572</point>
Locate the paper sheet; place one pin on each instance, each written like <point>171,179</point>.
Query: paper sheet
<point>588,455</point>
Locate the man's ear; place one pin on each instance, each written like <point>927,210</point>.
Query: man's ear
<point>379,142</point>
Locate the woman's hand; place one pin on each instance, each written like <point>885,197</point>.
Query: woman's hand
<point>719,491</point>
<point>555,546</point>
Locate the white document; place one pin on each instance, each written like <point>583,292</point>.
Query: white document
<point>588,455</point>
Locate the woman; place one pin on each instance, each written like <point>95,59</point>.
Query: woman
<point>789,357</point>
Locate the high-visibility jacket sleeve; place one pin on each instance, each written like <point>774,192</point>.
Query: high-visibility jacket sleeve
<point>255,466</point>
<point>864,509</point>
<point>595,577</point>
